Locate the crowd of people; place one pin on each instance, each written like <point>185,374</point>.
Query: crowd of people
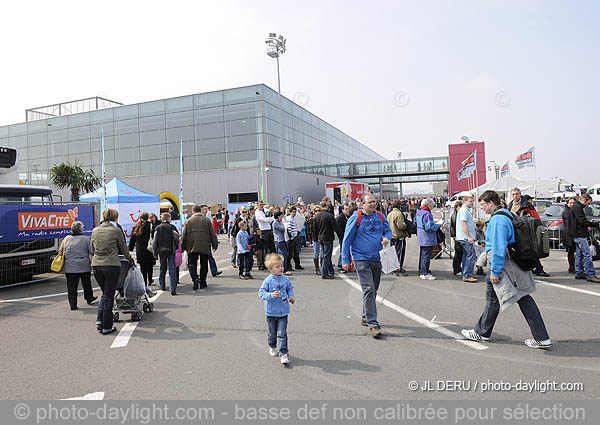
<point>275,236</point>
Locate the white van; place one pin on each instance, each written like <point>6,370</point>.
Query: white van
<point>457,197</point>
<point>594,192</point>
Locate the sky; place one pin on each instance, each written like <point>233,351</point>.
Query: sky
<point>399,76</point>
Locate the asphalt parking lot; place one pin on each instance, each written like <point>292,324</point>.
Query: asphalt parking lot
<point>211,344</point>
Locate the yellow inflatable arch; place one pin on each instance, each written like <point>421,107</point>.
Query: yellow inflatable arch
<point>172,199</point>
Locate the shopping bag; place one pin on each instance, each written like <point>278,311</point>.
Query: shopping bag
<point>59,261</point>
<point>150,247</point>
<point>184,261</point>
<point>134,285</point>
<point>389,260</point>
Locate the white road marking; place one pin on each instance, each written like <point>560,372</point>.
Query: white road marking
<point>570,288</point>
<point>41,297</point>
<point>445,323</point>
<point>122,339</point>
<point>90,396</point>
<point>420,320</point>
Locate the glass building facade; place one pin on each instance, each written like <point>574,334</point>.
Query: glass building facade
<point>223,129</point>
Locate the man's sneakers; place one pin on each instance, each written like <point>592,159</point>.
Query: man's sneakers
<point>284,358</point>
<point>534,343</point>
<point>593,279</point>
<point>217,273</point>
<point>580,276</point>
<point>375,332</point>
<point>427,276</point>
<point>273,351</point>
<point>473,336</point>
<point>243,277</point>
<point>288,273</point>
<point>542,273</point>
<point>469,279</point>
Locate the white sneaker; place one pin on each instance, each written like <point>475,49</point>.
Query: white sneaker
<point>533,343</point>
<point>473,336</point>
<point>273,352</point>
<point>428,277</point>
<point>284,359</point>
<point>424,276</point>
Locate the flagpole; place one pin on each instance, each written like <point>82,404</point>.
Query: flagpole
<point>103,200</point>
<point>534,174</point>
<point>181,214</point>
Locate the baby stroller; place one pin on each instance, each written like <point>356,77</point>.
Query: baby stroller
<point>129,305</point>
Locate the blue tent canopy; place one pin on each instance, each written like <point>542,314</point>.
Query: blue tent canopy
<point>118,192</point>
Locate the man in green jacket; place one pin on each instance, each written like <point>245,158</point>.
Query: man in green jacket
<point>399,234</point>
<point>197,239</point>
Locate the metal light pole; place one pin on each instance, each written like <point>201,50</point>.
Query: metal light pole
<point>276,48</point>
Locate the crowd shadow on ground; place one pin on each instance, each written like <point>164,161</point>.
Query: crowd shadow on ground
<point>335,367</point>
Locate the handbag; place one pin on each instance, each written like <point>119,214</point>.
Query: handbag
<point>149,247</point>
<point>59,261</point>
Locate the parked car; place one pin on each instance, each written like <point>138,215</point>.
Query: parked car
<point>541,205</point>
<point>457,197</point>
<point>594,192</point>
<point>552,219</point>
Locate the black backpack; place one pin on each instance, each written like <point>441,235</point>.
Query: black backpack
<point>532,241</point>
<point>411,229</point>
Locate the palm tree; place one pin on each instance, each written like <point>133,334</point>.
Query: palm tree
<point>73,176</point>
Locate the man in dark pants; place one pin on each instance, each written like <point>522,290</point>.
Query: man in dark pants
<point>341,221</point>
<point>326,227</point>
<point>264,224</point>
<point>399,235</point>
<point>197,239</point>
<point>458,249</point>
<point>500,234</point>
<point>211,260</point>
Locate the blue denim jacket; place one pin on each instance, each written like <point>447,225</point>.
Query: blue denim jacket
<point>276,307</point>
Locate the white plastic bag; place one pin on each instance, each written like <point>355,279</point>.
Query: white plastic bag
<point>150,246</point>
<point>184,261</point>
<point>134,285</point>
<point>389,260</point>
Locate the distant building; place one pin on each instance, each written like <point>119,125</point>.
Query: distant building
<point>231,145</point>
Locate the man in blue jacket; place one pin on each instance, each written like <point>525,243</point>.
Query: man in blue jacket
<point>364,239</point>
<point>499,235</point>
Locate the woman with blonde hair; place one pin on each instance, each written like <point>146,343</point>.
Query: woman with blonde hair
<point>108,242</point>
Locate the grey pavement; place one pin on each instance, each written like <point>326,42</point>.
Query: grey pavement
<point>211,344</point>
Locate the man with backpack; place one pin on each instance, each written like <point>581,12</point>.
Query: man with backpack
<point>578,227</point>
<point>366,231</point>
<point>521,205</point>
<point>164,246</point>
<point>507,282</point>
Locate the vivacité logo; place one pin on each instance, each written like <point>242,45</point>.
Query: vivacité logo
<point>46,220</point>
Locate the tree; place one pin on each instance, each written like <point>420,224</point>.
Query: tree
<point>73,176</point>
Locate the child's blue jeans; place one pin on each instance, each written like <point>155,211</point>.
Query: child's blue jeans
<point>277,327</point>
